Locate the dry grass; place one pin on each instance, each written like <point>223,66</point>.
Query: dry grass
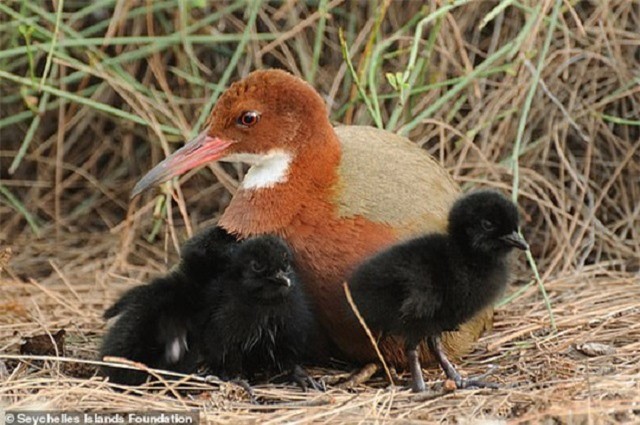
<point>544,374</point>
<point>114,105</point>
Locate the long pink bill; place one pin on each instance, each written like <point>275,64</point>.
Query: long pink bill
<point>198,151</point>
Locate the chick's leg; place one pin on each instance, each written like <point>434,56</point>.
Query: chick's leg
<point>304,380</point>
<point>417,380</point>
<point>433,342</point>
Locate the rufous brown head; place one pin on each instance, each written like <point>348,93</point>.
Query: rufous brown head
<point>269,114</point>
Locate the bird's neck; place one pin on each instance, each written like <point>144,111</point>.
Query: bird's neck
<point>298,181</point>
<point>481,277</point>
<point>463,254</point>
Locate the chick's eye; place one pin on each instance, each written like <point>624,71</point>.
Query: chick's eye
<point>248,119</point>
<point>257,267</point>
<point>487,225</point>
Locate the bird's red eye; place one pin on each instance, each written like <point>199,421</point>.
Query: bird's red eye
<point>248,118</point>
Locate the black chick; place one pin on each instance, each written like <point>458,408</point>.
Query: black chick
<point>206,255</point>
<point>156,322</point>
<point>432,284</point>
<point>257,317</point>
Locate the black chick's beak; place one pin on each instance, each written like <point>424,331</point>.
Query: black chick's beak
<point>515,240</point>
<point>283,279</point>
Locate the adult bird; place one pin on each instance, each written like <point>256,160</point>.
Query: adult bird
<point>336,195</point>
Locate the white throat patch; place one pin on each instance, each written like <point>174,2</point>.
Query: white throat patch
<point>266,170</point>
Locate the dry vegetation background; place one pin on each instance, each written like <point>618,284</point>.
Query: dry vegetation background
<point>93,94</point>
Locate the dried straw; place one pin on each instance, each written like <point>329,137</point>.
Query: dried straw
<point>115,102</point>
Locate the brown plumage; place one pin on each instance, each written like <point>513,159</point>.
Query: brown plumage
<point>336,196</point>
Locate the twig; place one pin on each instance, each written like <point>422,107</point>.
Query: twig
<point>353,306</point>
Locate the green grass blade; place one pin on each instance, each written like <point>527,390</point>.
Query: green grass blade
<point>618,120</point>
<point>44,100</point>
<point>317,44</point>
<point>464,82</point>
<point>88,102</point>
<point>518,143</point>
<point>254,8</point>
<point>15,203</point>
<point>345,54</point>
<point>54,39</point>
<point>495,12</point>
